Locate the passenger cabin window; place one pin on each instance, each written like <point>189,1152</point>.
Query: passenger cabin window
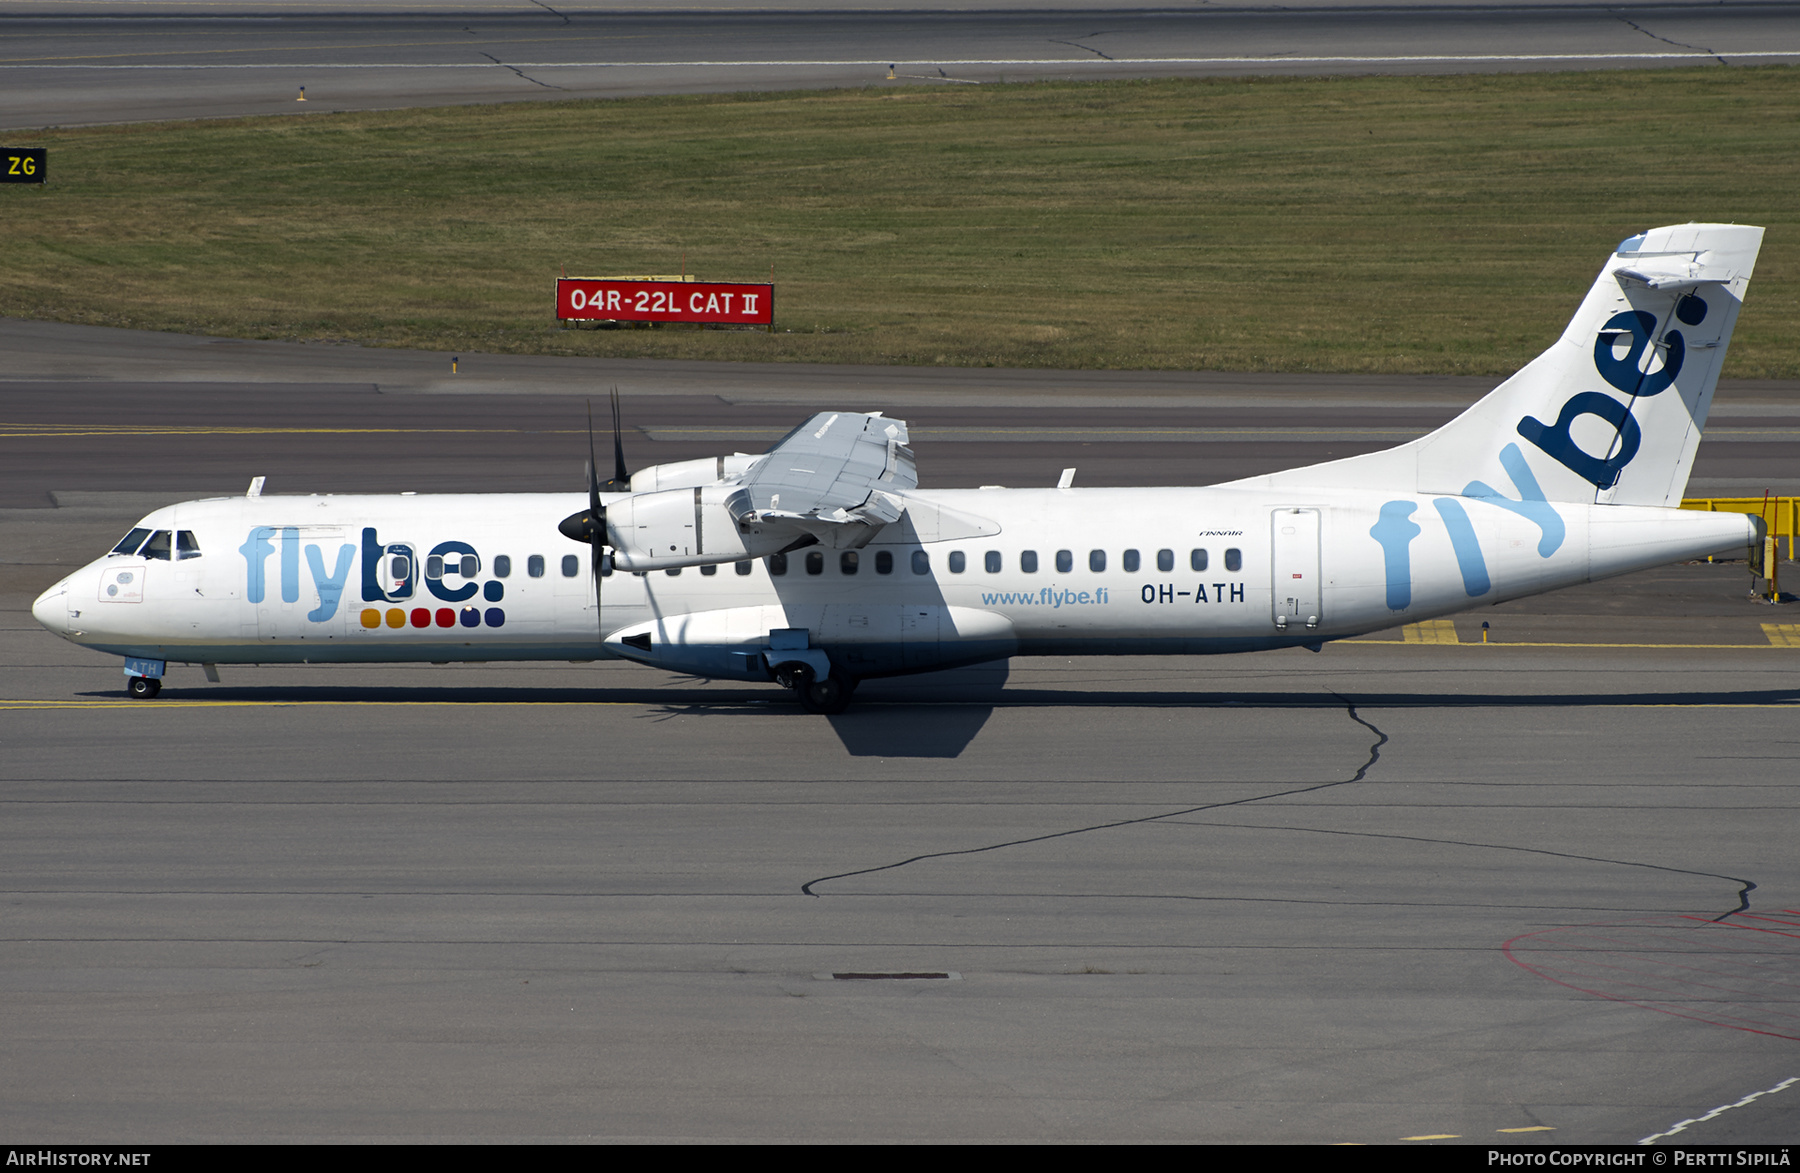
<point>673,572</point>
<point>534,566</point>
<point>958,562</point>
<point>848,562</point>
<point>502,565</point>
<point>571,566</point>
<point>131,542</point>
<point>1197,560</point>
<point>1028,561</point>
<point>186,546</point>
<point>884,562</point>
<point>400,567</point>
<point>1165,560</point>
<point>743,568</point>
<point>709,570</point>
<point>992,561</point>
<point>1131,561</point>
<point>1065,562</point>
<point>777,565</point>
<point>921,562</point>
<point>434,566</point>
<point>1096,560</point>
<point>815,562</point>
<point>157,548</point>
<point>1234,559</point>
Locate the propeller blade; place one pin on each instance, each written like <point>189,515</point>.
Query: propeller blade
<point>621,478</point>
<point>597,515</point>
<point>590,524</point>
<point>593,471</point>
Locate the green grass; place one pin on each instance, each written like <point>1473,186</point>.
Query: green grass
<point>1351,224</point>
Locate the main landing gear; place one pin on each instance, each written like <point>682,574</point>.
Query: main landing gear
<point>829,695</point>
<point>142,688</point>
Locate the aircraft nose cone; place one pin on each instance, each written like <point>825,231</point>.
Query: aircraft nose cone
<point>52,608</point>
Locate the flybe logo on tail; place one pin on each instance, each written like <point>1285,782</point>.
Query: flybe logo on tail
<point>1634,330</point>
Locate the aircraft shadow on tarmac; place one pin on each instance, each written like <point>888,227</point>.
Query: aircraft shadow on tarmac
<point>916,720</point>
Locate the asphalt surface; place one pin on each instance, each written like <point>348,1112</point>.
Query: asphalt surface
<point>1537,890</point>
<point>75,63</point>
<point>1393,890</point>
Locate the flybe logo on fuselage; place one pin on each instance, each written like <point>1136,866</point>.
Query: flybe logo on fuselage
<point>391,573</point>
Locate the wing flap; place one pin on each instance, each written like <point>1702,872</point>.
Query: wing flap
<point>835,477</point>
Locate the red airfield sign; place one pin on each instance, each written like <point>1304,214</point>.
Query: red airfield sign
<point>606,299</point>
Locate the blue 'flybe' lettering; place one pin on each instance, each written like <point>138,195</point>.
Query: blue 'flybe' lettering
<point>1626,374</point>
<point>436,585</point>
<point>1046,597</point>
<point>1555,439</point>
<point>331,583</point>
<point>256,550</point>
<point>1531,504</point>
<point>1395,530</point>
<point>331,586</point>
<point>1468,550</point>
<point>290,564</point>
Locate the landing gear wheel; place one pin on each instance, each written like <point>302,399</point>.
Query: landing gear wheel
<point>143,688</point>
<point>830,695</point>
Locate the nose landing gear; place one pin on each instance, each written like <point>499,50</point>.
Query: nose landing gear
<point>142,688</point>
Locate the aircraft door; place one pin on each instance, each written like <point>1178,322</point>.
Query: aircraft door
<point>920,626</point>
<point>866,637</point>
<point>1297,582</point>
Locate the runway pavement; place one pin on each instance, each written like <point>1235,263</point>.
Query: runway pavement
<point>1398,889</point>
<point>78,63</point>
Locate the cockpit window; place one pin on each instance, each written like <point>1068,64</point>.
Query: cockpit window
<point>130,543</point>
<point>157,548</point>
<point>186,546</point>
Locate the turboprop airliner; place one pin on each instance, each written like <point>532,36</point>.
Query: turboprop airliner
<point>821,563</point>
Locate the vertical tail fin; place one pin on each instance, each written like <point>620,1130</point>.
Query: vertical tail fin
<point>1612,413</point>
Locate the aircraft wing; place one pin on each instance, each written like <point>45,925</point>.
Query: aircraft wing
<point>835,478</point>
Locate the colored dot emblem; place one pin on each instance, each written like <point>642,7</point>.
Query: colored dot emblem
<point>398,618</point>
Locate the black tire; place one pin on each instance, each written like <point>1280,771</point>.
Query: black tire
<point>142,688</point>
<point>830,695</point>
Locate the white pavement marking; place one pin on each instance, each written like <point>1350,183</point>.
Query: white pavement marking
<point>1720,1110</point>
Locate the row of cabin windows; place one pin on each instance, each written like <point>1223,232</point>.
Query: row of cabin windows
<point>849,562</point>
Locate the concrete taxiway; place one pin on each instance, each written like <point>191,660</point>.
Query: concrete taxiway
<point>1411,889</point>
<point>96,62</point>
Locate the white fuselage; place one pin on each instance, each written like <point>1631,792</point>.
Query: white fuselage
<point>1179,570</point>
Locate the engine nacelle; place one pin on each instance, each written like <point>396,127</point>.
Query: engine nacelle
<point>687,474</point>
<point>689,527</point>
